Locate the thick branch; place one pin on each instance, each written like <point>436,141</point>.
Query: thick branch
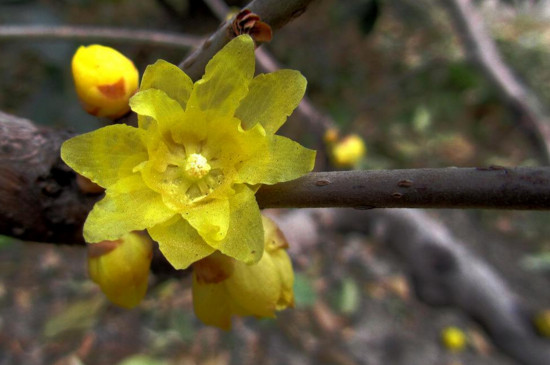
<point>488,188</point>
<point>40,199</point>
<point>482,49</point>
<point>87,33</point>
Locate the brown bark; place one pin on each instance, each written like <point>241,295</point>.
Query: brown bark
<point>39,199</point>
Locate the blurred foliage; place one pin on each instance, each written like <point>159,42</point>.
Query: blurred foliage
<point>75,319</point>
<point>5,241</point>
<point>304,293</point>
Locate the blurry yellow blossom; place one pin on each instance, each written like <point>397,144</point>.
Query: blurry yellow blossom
<point>542,322</point>
<point>349,151</point>
<point>454,339</point>
<point>121,268</point>
<point>331,135</point>
<point>189,172</point>
<point>223,287</point>
<point>104,80</point>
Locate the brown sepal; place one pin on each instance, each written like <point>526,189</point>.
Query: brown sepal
<point>246,22</point>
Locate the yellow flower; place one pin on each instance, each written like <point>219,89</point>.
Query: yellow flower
<point>189,172</point>
<point>349,151</point>
<point>121,268</point>
<point>223,287</point>
<point>104,80</point>
<point>454,339</point>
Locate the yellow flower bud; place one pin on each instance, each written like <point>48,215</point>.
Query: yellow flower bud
<point>331,135</point>
<point>104,80</point>
<point>121,268</point>
<point>349,151</point>
<point>542,322</point>
<point>223,286</point>
<point>454,339</point>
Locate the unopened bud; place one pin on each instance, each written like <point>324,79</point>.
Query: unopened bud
<point>121,268</point>
<point>104,80</point>
<point>453,339</point>
<point>542,322</point>
<point>349,151</point>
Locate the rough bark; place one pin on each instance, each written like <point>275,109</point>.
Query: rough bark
<point>39,199</point>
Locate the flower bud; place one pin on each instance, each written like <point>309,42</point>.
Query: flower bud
<point>223,286</point>
<point>454,339</point>
<point>349,151</point>
<point>104,80</point>
<point>331,135</point>
<point>542,322</point>
<point>121,268</point>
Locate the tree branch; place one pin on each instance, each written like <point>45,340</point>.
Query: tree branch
<point>40,199</point>
<point>87,33</point>
<point>276,13</point>
<point>481,48</point>
<point>487,188</point>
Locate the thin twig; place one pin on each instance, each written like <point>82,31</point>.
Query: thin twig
<point>481,48</point>
<point>87,33</point>
<point>276,13</point>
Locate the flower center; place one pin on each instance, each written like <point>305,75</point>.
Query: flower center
<point>196,166</point>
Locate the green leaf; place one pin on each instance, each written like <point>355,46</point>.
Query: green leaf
<point>350,297</point>
<point>78,317</point>
<point>304,293</point>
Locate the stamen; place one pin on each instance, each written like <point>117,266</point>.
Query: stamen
<point>196,166</point>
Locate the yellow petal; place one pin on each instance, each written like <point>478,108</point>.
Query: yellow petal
<point>275,246</point>
<point>284,160</point>
<point>286,278</point>
<point>127,206</point>
<point>158,105</point>
<point>105,155</point>
<point>211,219</point>
<point>271,99</point>
<point>212,304</point>
<point>169,78</point>
<point>255,287</point>
<point>245,236</point>
<point>226,78</point>
<point>179,242</point>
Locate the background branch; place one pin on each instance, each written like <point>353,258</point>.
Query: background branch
<point>443,271</point>
<point>481,48</point>
<point>87,33</point>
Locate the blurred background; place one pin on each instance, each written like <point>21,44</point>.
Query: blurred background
<point>392,71</point>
